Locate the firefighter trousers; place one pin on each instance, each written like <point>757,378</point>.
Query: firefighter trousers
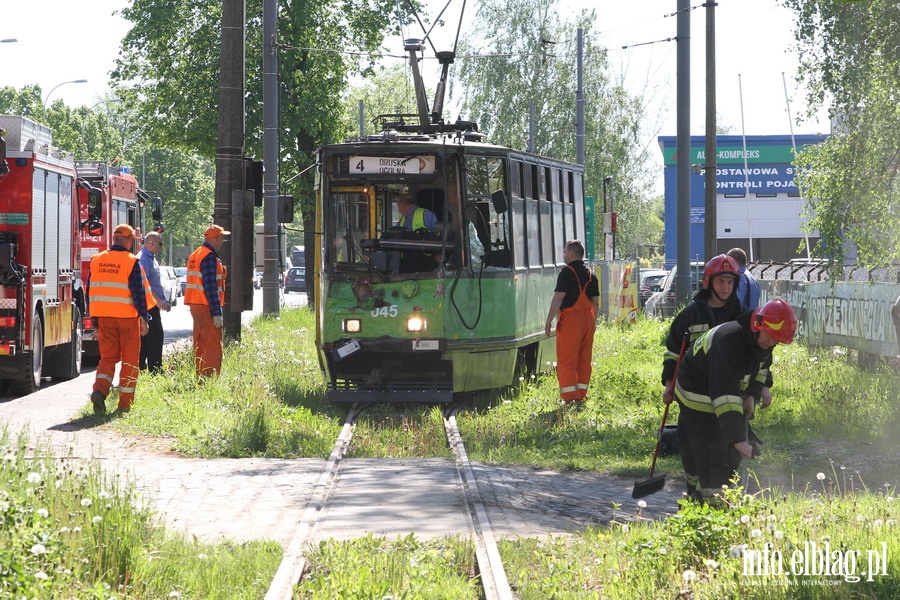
<point>574,344</point>
<point>207,342</point>
<point>120,341</point>
<point>715,459</point>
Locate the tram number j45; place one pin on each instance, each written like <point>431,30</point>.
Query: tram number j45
<point>385,311</point>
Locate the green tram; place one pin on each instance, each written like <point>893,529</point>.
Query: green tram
<point>415,316</point>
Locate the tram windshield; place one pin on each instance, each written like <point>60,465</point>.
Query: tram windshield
<point>416,222</point>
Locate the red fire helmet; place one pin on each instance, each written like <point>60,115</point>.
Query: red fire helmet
<point>777,318</point>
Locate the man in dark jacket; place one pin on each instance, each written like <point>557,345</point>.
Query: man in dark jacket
<point>714,304</point>
<point>721,377</point>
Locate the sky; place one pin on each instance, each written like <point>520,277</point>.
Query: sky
<point>65,40</point>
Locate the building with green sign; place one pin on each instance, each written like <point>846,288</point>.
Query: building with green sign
<point>758,205</point>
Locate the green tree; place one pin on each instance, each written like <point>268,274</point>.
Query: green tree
<point>387,91</point>
<point>530,56</point>
<point>850,58</point>
<point>170,62</point>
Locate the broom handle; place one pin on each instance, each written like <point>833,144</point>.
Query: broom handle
<point>670,388</point>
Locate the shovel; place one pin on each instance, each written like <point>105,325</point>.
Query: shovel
<point>654,483</point>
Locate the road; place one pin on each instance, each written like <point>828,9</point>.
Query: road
<point>177,323</point>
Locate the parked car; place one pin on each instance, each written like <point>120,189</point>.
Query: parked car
<point>661,303</point>
<point>649,278</point>
<point>181,272</point>
<point>295,280</point>
<point>169,281</point>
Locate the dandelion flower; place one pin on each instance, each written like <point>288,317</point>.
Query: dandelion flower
<point>625,528</point>
<point>65,530</point>
<point>745,519</point>
<point>737,551</point>
<point>711,563</point>
<point>9,457</point>
<point>174,594</point>
<point>38,549</point>
<point>96,519</point>
<point>43,512</point>
<point>642,504</point>
<point>86,502</point>
<point>34,477</point>
<point>41,575</point>
<point>820,476</point>
<point>689,575</point>
<point>779,534</point>
<point>756,533</point>
<point>103,495</point>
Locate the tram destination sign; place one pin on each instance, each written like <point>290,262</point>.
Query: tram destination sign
<point>402,165</point>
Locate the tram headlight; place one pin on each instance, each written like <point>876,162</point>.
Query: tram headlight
<point>416,323</point>
<point>351,325</point>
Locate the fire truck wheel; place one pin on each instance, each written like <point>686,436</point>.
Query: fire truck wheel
<point>31,382</point>
<point>68,365</point>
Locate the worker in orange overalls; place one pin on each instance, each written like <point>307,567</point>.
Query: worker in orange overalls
<point>117,295</point>
<point>205,294</point>
<point>575,300</point>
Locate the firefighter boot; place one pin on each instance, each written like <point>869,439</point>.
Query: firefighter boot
<point>99,402</point>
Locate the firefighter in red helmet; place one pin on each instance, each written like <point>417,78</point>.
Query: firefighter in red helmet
<point>714,304</point>
<point>721,377</point>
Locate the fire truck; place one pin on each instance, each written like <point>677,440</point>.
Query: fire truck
<point>40,311</point>
<point>109,196</point>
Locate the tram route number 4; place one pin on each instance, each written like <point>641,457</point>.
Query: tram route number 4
<point>409,165</point>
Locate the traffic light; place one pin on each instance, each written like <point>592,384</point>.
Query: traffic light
<point>253,179</point>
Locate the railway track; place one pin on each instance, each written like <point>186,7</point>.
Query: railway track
<point>490,566</point>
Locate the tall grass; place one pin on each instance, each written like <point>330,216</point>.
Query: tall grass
<point>67,530</point>
<point>826,544</point>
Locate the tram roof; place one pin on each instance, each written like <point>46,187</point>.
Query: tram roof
<point>392,141</point>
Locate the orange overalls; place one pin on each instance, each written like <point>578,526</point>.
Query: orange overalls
<point>575,328</point>
<point>208,348</point>
<point>118,323</point>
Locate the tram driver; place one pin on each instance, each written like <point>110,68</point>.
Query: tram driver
<point>413,217</point>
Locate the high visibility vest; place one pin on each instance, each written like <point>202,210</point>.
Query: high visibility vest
<point>193,291</point>
<point>109,293</point>
<point>418,219</point>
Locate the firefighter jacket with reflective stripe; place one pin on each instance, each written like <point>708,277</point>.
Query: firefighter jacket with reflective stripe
<point>113,289</point>
<point>696,318</point>
<point>213,293</point>
<point>719,369</point>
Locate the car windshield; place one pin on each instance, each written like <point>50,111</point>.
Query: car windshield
<point>180,271</point>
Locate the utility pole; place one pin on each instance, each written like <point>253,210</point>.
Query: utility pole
<point>230,148</point>
<point>579,99</point>
<point>271,226</point>
<point>683,162</point>
<point>710,231</point>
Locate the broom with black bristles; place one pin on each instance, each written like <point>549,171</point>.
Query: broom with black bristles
<point>654,483</point>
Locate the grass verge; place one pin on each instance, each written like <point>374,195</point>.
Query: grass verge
<point>67,530</point>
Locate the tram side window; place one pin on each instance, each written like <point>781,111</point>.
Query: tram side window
<point>547,223</point>
<point>485,175</point>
